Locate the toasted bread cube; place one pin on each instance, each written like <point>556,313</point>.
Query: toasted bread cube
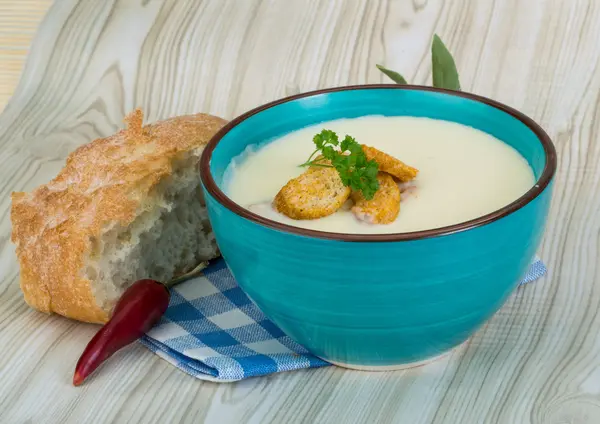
<point>390,164</point>
<point>384,207</point>
<point>316,193</point>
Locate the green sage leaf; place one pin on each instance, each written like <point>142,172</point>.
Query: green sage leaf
<point>443,68</point>
<point>393,75</point>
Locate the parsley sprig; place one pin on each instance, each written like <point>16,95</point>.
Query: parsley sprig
<point>348,158</point>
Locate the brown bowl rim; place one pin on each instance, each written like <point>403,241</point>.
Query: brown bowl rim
<point>540,185</point>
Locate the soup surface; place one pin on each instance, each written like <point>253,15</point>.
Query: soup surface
<point>464,173</point>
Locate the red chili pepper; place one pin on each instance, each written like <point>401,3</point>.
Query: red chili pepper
<point>136,312</point>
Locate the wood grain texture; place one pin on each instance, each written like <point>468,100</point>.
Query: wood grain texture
<point>19,20</point>
<point>537,361</point>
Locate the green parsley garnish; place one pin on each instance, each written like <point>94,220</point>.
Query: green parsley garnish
<point>349,160</point>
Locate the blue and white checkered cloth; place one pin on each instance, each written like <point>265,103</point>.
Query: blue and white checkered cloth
<point>212,331</point>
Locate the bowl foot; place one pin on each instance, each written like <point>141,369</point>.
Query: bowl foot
<point>397,367</point>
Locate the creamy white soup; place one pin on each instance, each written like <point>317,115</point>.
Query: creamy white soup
<point>463,174</point>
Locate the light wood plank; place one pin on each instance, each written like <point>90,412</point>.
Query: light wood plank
<point>537,361</point>
<point>19,20</point>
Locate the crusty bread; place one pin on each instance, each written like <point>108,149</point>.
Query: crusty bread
<point>316,193</point>
<point>384,207</point>
<point>123,208</point>
<point>390,164</point>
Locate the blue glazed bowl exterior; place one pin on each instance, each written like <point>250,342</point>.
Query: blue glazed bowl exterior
<point>379,300</point>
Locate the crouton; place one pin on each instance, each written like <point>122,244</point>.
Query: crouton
<point>390,164</point>
<point>384,207</point>
<point>316,193</point>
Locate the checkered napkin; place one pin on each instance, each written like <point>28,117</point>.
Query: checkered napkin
<point>212,331</point>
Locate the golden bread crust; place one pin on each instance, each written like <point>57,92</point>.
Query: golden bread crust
<point>384,207</point>
<point>105,181</point>
<point>390,164</point>
<point>316,193</point>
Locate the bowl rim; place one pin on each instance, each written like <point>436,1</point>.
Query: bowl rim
<point>540,185</point>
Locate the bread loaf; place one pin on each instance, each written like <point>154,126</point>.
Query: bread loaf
<point>123,208</point>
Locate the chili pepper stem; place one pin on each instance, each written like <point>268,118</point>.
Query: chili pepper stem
<point>187,276</point>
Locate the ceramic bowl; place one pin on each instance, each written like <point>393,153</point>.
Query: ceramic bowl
<point>379,301</point>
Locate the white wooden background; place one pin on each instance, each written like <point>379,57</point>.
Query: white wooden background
<point>19,20</point>
<point>537,361</point>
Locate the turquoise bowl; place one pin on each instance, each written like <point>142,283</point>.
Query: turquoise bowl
<point>379,301</point>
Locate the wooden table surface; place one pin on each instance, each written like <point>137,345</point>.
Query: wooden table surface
<point>536,361</point>
<point>19,20</point>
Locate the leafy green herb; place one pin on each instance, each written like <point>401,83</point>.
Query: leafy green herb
<point>393,75</point>
<point>348,158</point>
<point>443,67</point>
